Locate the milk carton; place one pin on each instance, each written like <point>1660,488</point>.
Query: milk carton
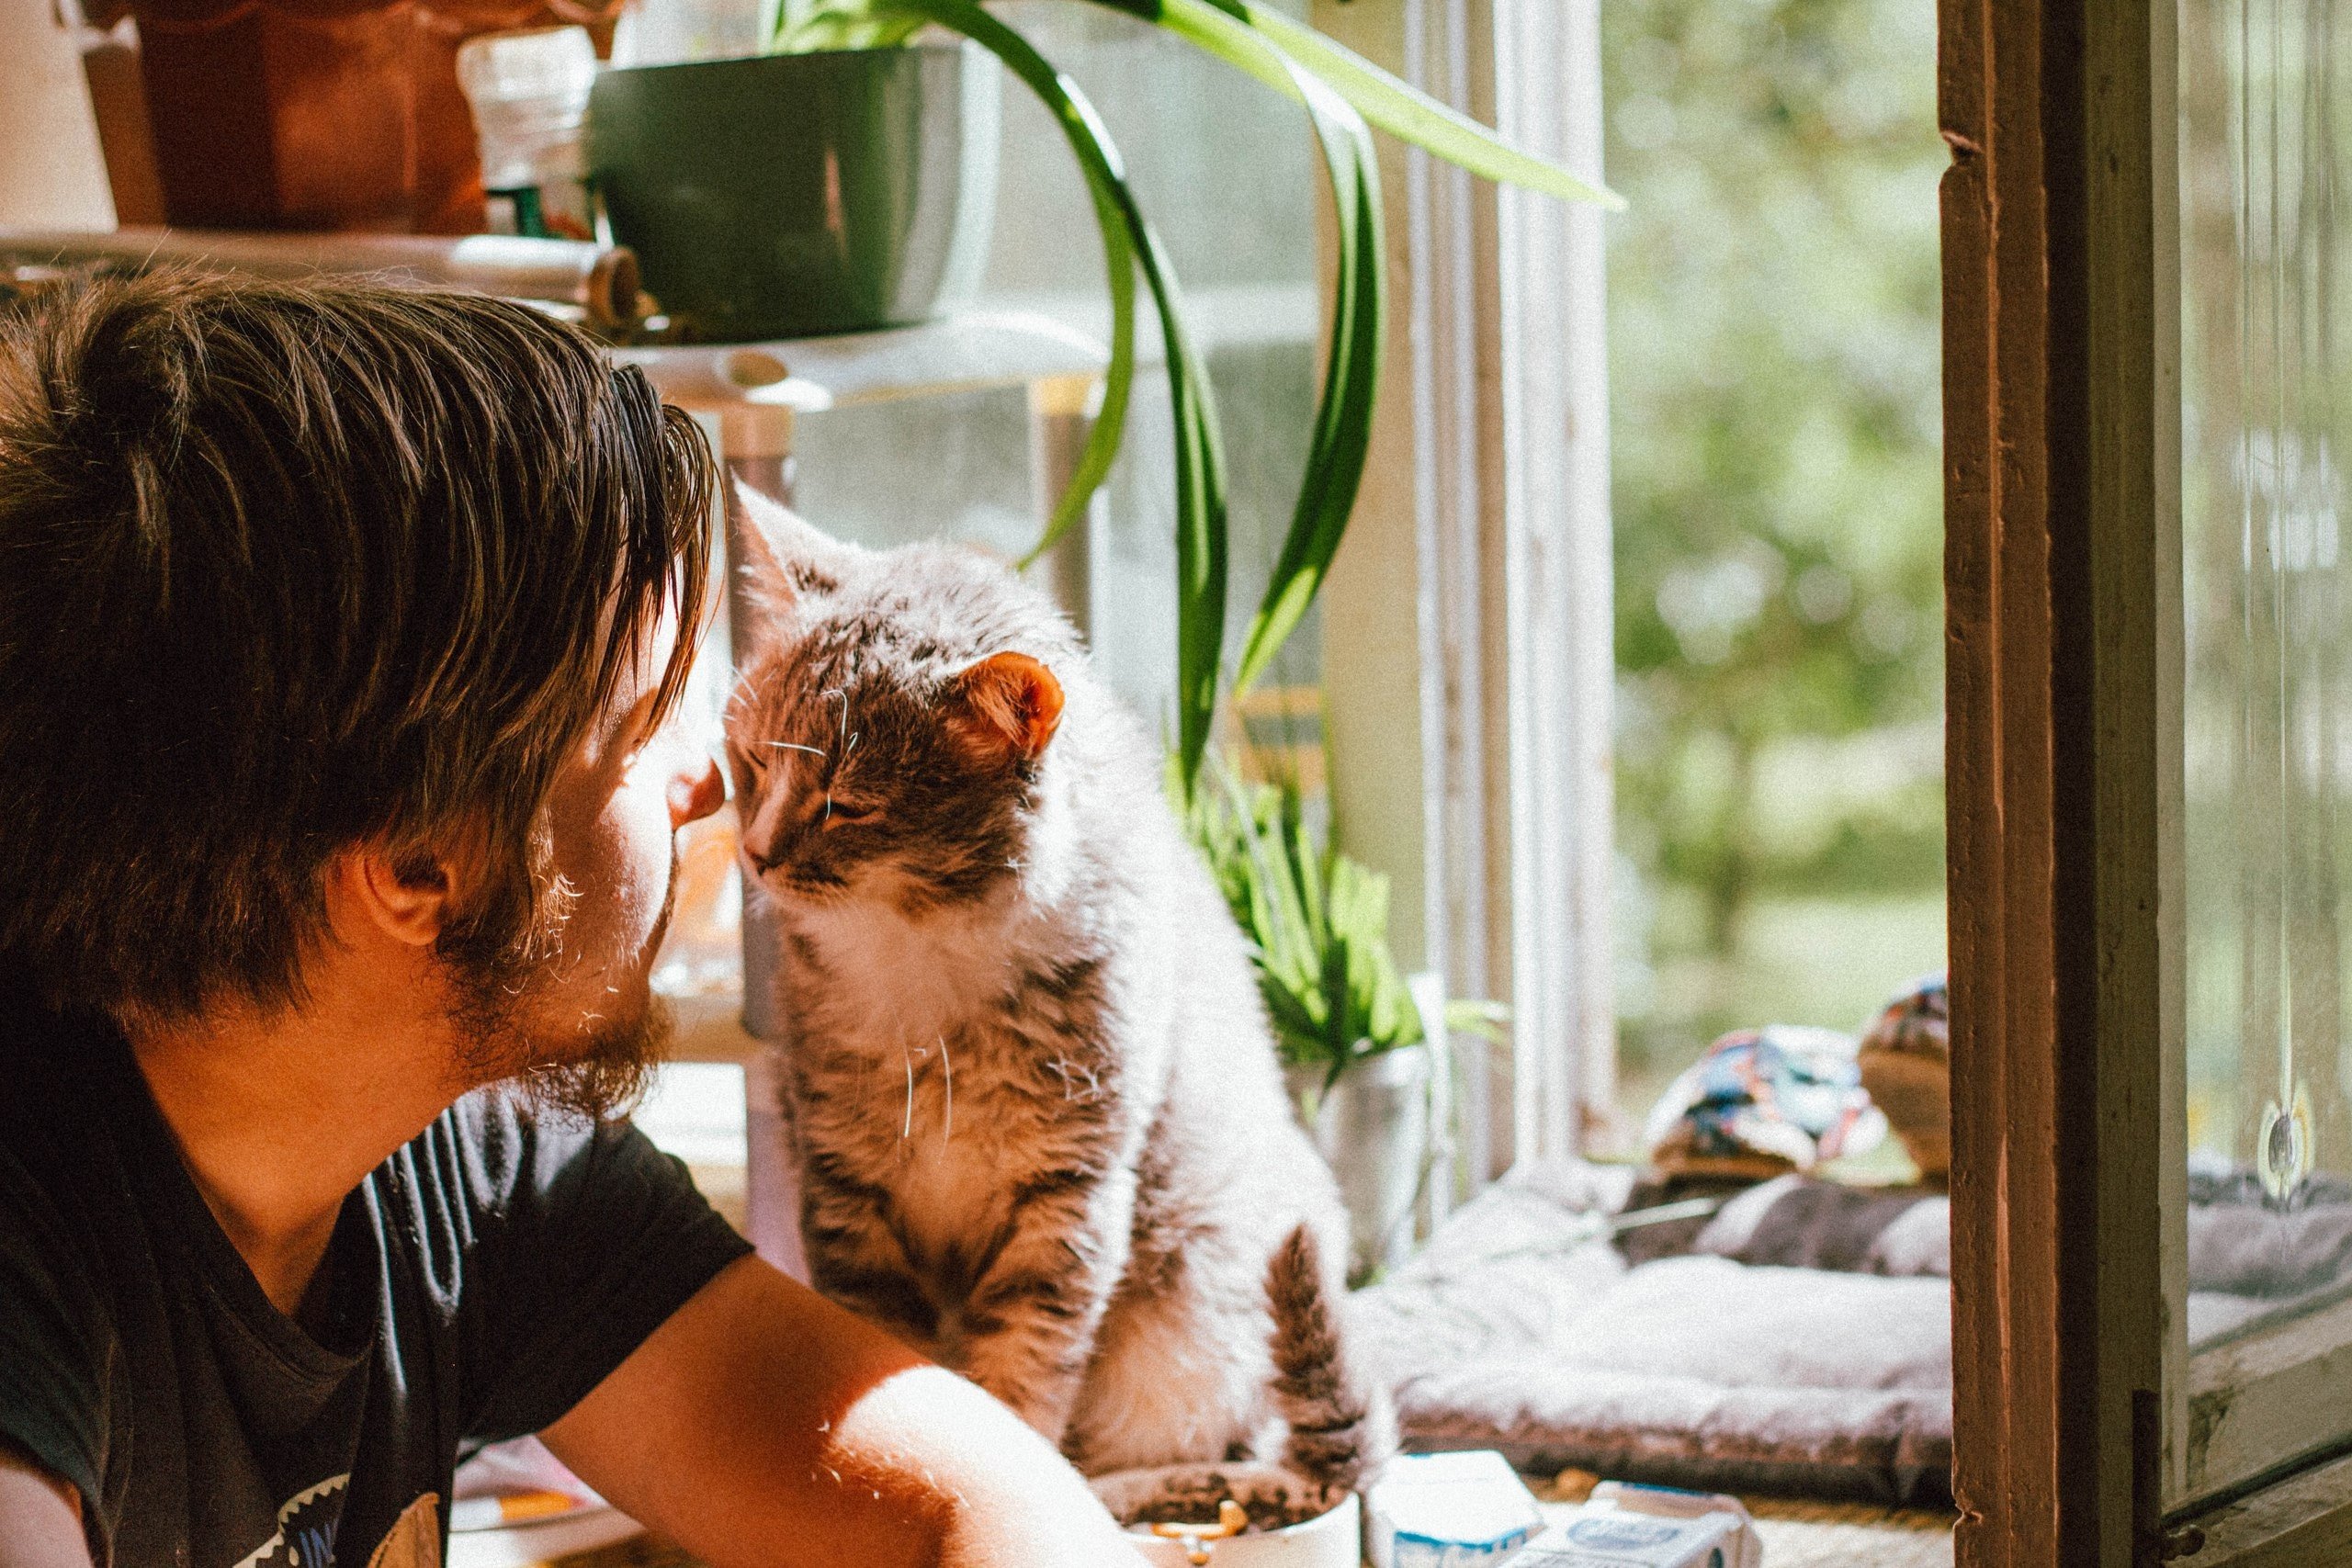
<point>1648,1527</point>
<point>1449,1510</point>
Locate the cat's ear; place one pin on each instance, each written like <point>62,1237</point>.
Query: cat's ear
<point>780,559</point>
<point>1009,705</point>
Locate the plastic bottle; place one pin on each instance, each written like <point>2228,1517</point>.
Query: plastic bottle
<point>529,92</point>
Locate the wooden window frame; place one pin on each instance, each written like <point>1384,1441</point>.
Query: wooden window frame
<point>2058,401</point>
<point>1483,526</point>
<point>2064,617</point>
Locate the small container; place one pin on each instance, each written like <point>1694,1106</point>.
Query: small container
<point>1332,1538</point>
<point>1648,1527</point>
<point>529,92</point>
<point>1448,1510</point>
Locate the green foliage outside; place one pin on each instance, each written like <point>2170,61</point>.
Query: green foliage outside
<point>1775,412</point>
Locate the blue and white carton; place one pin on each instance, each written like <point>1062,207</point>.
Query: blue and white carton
<point>1648,1527</point>
<point>1449,1510</point>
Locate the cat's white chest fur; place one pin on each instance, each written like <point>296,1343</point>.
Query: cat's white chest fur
<point>901,995</point>
<point>892,980</point>
<point>947,1195</point>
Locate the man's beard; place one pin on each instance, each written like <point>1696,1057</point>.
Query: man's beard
<point>595,1073</point>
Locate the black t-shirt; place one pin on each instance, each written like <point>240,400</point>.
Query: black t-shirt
<point>480,1282</point>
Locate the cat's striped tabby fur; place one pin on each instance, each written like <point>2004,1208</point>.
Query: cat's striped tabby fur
<point>1039,1124</point>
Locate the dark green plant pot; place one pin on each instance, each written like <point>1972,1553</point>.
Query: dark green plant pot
<point>791,195</point>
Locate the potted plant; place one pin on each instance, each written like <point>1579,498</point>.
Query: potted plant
<point>1353,1041</point>
<point>850,50</point>
<point>795,194</point>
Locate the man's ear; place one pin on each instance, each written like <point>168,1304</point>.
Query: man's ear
<point>1007,707</point>
<point>780,559</point>
<point>406,896</point>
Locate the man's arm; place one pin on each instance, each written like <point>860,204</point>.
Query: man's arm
<point>40,1517</point>
<point>763,1426</point>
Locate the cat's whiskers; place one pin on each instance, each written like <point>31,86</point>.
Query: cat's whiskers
<point>947,1070</point>
<point>907,1128</point>
<point>788,745</point>
<point>843,739</point>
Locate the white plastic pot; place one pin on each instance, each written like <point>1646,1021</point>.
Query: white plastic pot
<point>1373,1128</point>
<point>1330,1540</point>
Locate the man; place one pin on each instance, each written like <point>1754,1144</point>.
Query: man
<point>338,631</point>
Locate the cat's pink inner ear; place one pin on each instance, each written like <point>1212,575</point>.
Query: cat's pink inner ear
<point>1012,703</point>
<point>781,558</point>
<point>768,588</point>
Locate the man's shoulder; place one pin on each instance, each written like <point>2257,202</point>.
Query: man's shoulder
<point>58,1094</point>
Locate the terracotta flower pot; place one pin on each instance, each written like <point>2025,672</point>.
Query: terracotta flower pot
<point>339,114</point>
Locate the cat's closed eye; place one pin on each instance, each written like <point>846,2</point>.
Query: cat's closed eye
<point>846,813</point>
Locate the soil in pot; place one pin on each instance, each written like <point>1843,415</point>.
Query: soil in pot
<point>1202,1504</point>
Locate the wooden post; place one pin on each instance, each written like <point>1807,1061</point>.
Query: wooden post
<point>2055,446</point>
<point>1062,418</point>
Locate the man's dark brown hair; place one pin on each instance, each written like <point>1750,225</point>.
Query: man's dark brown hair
<point>286,569</point>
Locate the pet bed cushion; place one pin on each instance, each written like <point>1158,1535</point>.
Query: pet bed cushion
<point>1521,1327</point>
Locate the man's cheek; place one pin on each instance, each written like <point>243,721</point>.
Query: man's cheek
<point>646,848</point>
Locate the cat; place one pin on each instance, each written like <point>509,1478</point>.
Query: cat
<point>1039,1124</point>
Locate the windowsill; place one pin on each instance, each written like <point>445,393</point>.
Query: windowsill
<point>1794,1534</point>
<point>2304,1521</point>
<point>1850,1535</point>
<point>1838,1535</point>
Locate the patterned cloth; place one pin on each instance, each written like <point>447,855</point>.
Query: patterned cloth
<point>1762,1102</point>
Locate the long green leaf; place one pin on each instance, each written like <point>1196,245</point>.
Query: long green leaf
<point>811,27</point>
<point>1342,433</point>
<point>814,26</point>
<point>1200,521</point>
<point>1118,382</point>
<point>1395,106</point>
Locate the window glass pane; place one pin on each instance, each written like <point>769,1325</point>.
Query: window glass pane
<point>2268,735</point>
<point>959,465</point>
<point>1244,252</point>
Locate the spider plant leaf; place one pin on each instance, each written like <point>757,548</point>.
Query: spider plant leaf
<point>1118,381</point>
<point>1201,506</point>
<point>1395,106</point>
<point>810,27</point>
<point>1342,431</point>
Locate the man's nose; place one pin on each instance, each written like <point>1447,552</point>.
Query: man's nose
<point>695,794</point>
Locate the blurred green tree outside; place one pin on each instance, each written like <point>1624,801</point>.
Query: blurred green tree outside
<point>1775,425</point>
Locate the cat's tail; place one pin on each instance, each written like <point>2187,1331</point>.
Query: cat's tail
<point>1339,1423</point>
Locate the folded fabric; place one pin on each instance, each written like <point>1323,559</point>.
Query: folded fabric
<point>1905,1063</point>
<point>1795,1223</point>
<point>1761,1102</point>
<point>2243,1242</point>
<point>1521,1328</point>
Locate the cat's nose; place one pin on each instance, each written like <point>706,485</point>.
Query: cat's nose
<point>761,838</point>
<point>764,829</point>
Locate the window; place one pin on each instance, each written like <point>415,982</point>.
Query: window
<point>2266,723</point>
<point>2139,289</point>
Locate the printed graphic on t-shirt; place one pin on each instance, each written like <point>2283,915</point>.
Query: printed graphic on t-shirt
<point>415,1540</point>
<point>306,1527</point>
